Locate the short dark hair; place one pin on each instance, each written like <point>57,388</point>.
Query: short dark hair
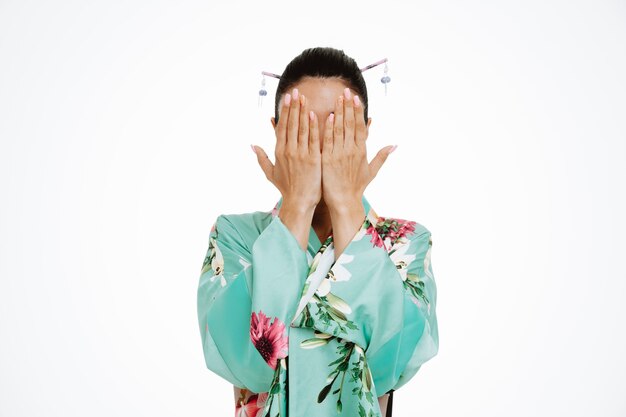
<point>322,62</point>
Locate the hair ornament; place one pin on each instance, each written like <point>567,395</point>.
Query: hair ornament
<point>385,79</point>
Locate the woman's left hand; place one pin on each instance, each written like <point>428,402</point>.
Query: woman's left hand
<point>345,170</point>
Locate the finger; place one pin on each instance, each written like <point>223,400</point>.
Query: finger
<point>338,125</point>
<point>360,133</point>
<point>283,117</point>
<point>314,134</point>
<point>303,129</point>
<point>328,135</point>
<point>348,119</point>
<point>292,123</point>
<point>265,163</point>
<point>378,160</point>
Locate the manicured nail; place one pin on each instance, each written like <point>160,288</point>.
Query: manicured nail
<point>253,148</point>
<point>393,148</point>
<point>287,98</point>
<point>346,93</point>
<point>295,93</point>
<point>357,101</point>
<point>331,117</point>
<point>311,115</point>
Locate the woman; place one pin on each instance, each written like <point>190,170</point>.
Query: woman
<point>319,307</point>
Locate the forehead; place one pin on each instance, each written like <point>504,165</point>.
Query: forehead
<point>321,87</point>
<point>320,93</point>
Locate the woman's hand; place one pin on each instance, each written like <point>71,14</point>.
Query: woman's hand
<point>345,170</point>
<point>298,170</point>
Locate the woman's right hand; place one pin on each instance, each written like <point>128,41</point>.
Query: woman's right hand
<point>298,170</point>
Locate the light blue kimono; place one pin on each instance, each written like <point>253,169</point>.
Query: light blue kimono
<point>310,336</point>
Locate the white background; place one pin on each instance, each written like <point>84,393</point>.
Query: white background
<point>125,129</point>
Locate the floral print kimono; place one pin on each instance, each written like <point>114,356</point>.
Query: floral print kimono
<point>304,335</point>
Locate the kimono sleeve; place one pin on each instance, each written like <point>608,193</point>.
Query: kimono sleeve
<point>418,339</point>
<point>245,297</point>
<point>390,290</point>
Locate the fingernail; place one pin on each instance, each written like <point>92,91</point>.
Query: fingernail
<point>295,93</point>
<point>287,98</point>
<point>346,93</point>
<point>311,115</point>
<point>357,101</point>
<point>393,148</point>
<point>331,117</point>
<point>253,148</point>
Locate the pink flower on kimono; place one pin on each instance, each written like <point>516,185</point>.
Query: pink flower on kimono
<point>269,339</point>
<point>406,227</point>
<point>262,399</point>
<point>388,231</point>
<point>377,240</point>
<point>252,407</point>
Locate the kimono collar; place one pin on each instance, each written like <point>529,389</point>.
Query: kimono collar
<point>368,211</point>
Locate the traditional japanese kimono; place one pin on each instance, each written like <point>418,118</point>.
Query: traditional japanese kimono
<point>308,336</point>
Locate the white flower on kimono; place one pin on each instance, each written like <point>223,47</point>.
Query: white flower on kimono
<point>402,260</point>
<point>427,269</point>
<point>216,262</point>
<point>323,289</point>
<point>337,273</point>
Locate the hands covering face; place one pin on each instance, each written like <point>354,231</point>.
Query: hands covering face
<point>340,169</point>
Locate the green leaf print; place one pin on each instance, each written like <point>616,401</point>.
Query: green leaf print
<point>359,374</point>
<point>415,286</point>
<point>326,315</point>
<point>326,312</point>
<point>276,389</point>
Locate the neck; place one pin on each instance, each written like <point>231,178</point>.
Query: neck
<point>321,221</point>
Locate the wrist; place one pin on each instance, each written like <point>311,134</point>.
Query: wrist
<point>297,218</point>
<point>347,207</point>
<point>297,207</point>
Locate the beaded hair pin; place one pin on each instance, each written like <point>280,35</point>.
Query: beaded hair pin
<point>385,79</point>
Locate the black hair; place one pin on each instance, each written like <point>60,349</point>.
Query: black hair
<point>322,62</point>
